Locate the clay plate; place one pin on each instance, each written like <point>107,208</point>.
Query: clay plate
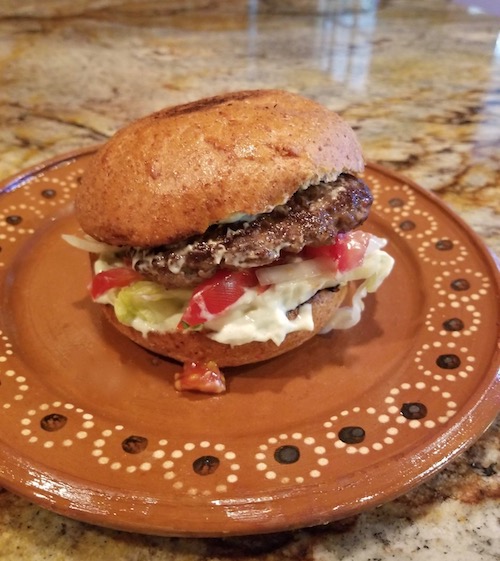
<point>91,426</point>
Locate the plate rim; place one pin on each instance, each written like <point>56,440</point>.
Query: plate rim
<point>489,383</point>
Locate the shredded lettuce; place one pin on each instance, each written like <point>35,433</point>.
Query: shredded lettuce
<point>148,306</point>
<point>263,316</point>
<point>375,268</point>
<point>257,316</point>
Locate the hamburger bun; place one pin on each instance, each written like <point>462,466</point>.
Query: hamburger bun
<point>196,346</point>
<point>172,174</point>
<point>217,188</point>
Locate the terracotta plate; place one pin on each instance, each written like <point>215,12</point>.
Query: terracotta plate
<point>92,428</point>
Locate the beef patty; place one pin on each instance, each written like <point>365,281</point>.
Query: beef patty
<point>313,217</point>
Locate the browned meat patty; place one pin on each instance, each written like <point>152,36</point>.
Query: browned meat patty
<point>311,217</point>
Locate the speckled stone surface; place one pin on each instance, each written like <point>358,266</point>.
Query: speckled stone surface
<point>420,83</point>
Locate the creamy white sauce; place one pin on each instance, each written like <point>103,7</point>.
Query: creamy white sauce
<point>262,316</point>
<point>375,268</point>
<point>238,217</point>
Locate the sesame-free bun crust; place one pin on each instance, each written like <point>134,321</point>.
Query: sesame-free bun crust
<point>172,174</point>
<point>195,346</point>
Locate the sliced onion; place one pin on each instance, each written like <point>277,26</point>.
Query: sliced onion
<point>89,244</point>
<point>299,270</point>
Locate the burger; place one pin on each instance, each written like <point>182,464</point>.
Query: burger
<point>225,231</point>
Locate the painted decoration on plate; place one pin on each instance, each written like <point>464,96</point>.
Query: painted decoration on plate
<point>92,427</point>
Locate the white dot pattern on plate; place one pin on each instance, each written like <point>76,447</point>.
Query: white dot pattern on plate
<point>43,424</point>
<point>19,220</point>
<point>286,450</point>
<point>441,359</point>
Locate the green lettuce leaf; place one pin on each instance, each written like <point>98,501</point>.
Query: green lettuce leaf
<point>148,306</point>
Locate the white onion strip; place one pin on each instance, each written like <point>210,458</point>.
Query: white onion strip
<point>89,244</point>
<point>299,270</point>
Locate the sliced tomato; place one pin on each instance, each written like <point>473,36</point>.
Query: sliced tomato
<point>112,278</point>
<point>328,251</point>
<point>351,249</point>
<point>215,295</point>
<point>347,251</point>
<point>200,376</point>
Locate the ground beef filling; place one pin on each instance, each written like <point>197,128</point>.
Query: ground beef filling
<point>313,216</point>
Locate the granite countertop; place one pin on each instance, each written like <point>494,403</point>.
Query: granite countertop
<point>421,86</point>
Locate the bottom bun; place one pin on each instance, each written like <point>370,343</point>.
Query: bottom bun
<point>197,347</point>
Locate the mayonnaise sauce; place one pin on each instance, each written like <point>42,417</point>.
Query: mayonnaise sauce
<point>262,316</point>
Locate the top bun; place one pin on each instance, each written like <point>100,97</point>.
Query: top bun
<point>172,174</point>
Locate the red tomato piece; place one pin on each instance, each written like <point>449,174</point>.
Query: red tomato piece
<point>329,251</point>
<point>347,251</point>
<point>351,250</point>
<point>200,377</point>
<point>215,295</point>
<point>112,278</point>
